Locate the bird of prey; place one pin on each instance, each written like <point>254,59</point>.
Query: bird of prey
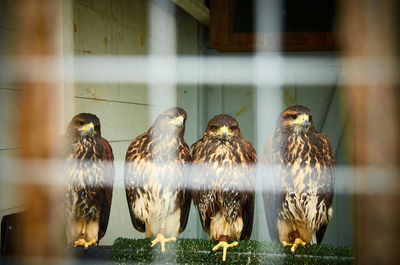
<point>155,178</point>
<point>90,178</point>
<point>223,180</point>
<point>300,168</point>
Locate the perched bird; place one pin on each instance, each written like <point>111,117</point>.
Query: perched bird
<point>155,178</point>
<point>90,178</point>
<point>223,182</point>
<point>300,168</point>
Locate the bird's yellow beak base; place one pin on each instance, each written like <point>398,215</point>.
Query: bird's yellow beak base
<point>87,128</point>
<point>302,120</point>
<point>178,121</point>
<point>224,131</point>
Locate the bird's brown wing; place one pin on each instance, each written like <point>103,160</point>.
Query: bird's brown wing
<point>327,183</point>
<point>108,157</point>
<point>199,192</point>
<point>186,193</point>
<point>327,179</point>
<point>248,215</point>
<point>196,171</point>
<point>251,155</point>
<point>272,198</point>
<point>248,202</point>
<point>135,149</point>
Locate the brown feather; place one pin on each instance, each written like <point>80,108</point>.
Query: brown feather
<point>225,176</point>
<point>299,171</point>
<point>90,175</point>
<point>108,188</point>
<point>155,176</point>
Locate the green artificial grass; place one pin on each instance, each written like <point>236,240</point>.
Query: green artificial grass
<point>197,251</point>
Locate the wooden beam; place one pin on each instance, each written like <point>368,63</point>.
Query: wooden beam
<point>38,128</point>
<point>196,9</point>
<point>369,36</point>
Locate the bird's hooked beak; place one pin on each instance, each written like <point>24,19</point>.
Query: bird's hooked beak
<point>223,132</point>
<point>178,121</point>
<point>87,128</point>
<point>303,120</point>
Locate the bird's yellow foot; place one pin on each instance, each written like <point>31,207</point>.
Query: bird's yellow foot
<point>224,245</point>
<point>298,241</point>
<point>162,240</point>
<point>83,243</point>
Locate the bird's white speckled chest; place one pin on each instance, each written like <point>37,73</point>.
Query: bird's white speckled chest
<point>157,199</point>
<point>301,204</point>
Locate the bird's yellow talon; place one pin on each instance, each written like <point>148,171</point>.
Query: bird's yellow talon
<point>298,241</point>
<point>224,245</point>
<point>83,243</point>
<point>162,240</point>
<point>79,242</point>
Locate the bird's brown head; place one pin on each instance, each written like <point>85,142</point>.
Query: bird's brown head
<point>170,121</point>
<point>84,125</point>
<point>295,119</point>
<point>223,127</point>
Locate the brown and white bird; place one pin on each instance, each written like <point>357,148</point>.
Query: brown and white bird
<point>299,167</point>
<point>223,181</point>
<point>90,178</point>
<point>155,178</point>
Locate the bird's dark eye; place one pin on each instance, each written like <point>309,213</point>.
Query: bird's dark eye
<point>293,116</point>
<point>97,127</point>
<point>234,127</point>
<point>214,127</point>
<point>81,123</point>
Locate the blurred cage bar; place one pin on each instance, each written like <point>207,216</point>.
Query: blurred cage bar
<point>49,59</point>
<point>370,39</point>
<point>38,127</point>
